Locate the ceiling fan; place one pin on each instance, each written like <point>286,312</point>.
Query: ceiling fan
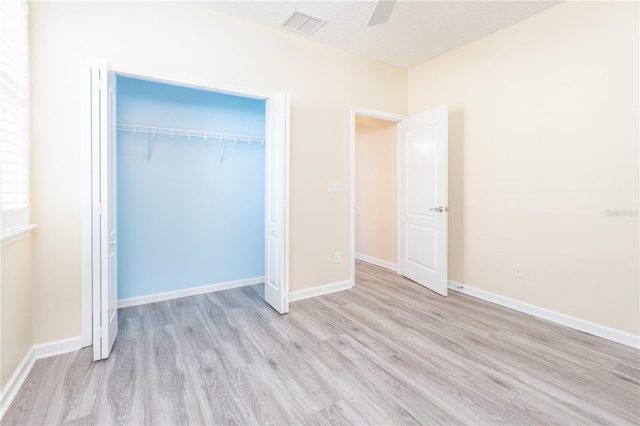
<point>382,12</point>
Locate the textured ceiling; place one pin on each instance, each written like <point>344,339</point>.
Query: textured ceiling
<point>416,32</point>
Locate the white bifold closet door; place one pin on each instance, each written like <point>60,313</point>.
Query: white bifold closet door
<point>276,286</point>
<point>104,209</point>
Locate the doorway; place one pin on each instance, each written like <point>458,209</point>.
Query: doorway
<point>421,195</point>
<point>376,191</point>
<point>99,231</point>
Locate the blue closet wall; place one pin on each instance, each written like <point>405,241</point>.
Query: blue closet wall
<point>184,220</point>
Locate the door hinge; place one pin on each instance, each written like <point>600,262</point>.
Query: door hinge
<point>100,209</point>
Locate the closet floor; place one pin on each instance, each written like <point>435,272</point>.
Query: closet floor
<point>386,352</point>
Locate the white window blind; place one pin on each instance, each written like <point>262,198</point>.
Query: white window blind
<point>14,114</point>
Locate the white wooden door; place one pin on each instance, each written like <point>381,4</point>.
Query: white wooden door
<point>424,169</point>
<point>276,285</point>
<point>105,297</point>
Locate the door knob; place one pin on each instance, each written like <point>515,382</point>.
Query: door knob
<point>439,209</point>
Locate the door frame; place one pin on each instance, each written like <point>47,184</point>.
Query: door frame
<point>386,116</point>
<point>88,173</point>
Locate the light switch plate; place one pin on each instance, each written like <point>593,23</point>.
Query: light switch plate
<point>333,187</point>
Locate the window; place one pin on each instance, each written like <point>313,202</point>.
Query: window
<point>14,116</point>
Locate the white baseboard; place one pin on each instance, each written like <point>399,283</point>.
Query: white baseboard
<point>57,347</point>
<point>15,382</point>
<point>42,350</point>
<point>605,332</point>
<point>378,262</point>
<point>294,296</point>
<point>193,291</point>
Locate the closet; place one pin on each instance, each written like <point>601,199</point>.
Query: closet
<point>185,191</point>
<point>191,190</point>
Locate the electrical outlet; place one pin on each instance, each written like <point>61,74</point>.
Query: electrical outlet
<point>518,271</point>
<point>337,258</point>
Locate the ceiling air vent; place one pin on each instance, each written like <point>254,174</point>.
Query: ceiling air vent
<point>303,24</point>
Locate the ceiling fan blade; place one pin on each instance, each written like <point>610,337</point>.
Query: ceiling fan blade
<point>382,12</point>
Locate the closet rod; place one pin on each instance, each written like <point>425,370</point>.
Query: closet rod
<point>189,133</point>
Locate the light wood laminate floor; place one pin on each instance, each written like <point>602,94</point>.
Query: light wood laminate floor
<point>386,352</point>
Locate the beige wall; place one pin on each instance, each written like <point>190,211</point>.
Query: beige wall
<point>543,139</point>
<point>190,41</point>
<point>375,188</point>
<point>15,306</point>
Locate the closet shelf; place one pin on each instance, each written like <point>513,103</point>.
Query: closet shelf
<point>220,137</point>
